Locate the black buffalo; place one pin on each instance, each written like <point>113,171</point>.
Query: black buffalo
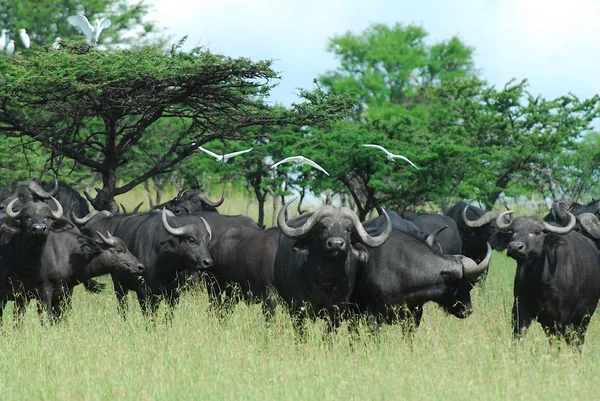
<point>587,217</point>
<point>70,258</point>
<point>243,257</point>
<point>556,282</point>
<point>318,257</point>
<point>165,248</point>
<point>190,201</point>
<point>405,273</point>
<point>23,236</point>
<point>477,228</point>
<point>449,239</point>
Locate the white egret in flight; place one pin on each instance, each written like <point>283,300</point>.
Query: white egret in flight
<point>300,160</point>
<point>225,157</point>
<point>392,156</point>
<point>91,32</point>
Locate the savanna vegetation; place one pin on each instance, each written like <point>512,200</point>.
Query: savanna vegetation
<point>124,122</point>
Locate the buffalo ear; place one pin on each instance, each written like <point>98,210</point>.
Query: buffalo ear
<point>301,245</point>
<point>10,225</point>
<point>60,225</point>
<point>169,244</point>
<point>360,251</point>
<point>450,277</point>
<point>88,245</point>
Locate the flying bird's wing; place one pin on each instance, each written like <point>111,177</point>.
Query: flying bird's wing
<point>406,159</point>
<point>81,22</point>
<point>105,23</point>
<point>286,160</point>
<point>208,152</point>
<point>378,147</point>
<point>311,163</point>
<point>230,155</point>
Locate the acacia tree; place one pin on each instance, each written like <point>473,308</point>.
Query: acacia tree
<point>96,108</point>
<point>46,20</point>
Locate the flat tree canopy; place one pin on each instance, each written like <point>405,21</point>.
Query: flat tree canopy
<point>100,109</point>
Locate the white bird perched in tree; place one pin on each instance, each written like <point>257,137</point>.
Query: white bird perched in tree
<point>91,32</point>
<point>3,39</point>
<point>10,47</point>
<point>392,156</point>
<point>300,160</point>
<point>24,38</point>
<point>225,157</point>
<point>56,44</point>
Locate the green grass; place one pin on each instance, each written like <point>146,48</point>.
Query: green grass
<point>94,355</point>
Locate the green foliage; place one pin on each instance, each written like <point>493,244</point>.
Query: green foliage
<point>46,20</point>
<point>100,108</point>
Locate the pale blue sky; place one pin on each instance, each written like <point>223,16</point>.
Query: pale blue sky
<point>555,44</point>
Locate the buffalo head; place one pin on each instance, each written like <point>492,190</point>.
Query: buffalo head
<point>113,253</point>
<point>529,234</point>
<point>190,242</point>
<point>332,232</point>
<point>35,218</point>
<point>192,201</point>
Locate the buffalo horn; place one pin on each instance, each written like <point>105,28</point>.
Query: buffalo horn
<point>500,224</point>
<point>40,192</point>
<point>207,228</point>
<point>110,240</point>
<point>366,239</point>
<point>471,270</point>
<point>302,230</point>
<point>85,219</point>
<point>58,213</point>
<point>487,218</point>
<point>137,208</point>
<point>561,230</point>
<point>205,199</point>
<point>9,209</point>
<point>179,231</point>
<point>431,237</point>
<point>590,224</point>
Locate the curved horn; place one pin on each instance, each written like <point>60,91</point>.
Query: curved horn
<point>137,208</point>
<point>500,224</point>
<point>487,218</point>
<point>84,219</point>
<point>562,230</point>
<point>207,228</point>
<point>590,224</point>
<point>205,199</point>
<point>302,230</point>
<point>40,192</point>
<point>124,208</point>
<point>471,270</point>
<point>366,239</point>
<point>431,237</point>
<point>181,193</point>
<point>179,231</point>
<point>58,213</point>
<point>110,240</point>
<point>9,209</point>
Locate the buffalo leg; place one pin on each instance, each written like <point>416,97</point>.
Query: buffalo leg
<point>121,295</point>
<point>521,319</point>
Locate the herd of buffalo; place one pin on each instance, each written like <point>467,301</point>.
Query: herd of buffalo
<point>326,263</point>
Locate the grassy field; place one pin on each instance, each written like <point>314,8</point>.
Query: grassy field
<point>95,355</point>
